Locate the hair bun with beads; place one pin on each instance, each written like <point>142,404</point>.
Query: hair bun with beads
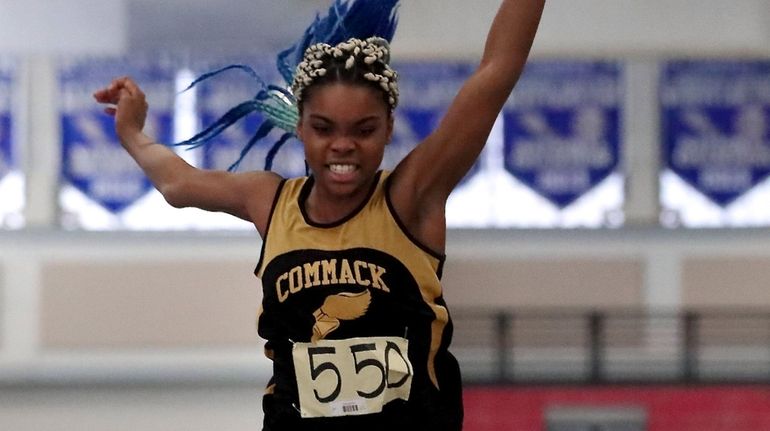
<point>369,57</point>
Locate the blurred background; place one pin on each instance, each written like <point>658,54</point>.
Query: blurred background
<point>608,256</point>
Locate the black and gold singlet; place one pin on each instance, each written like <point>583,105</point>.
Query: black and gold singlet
<point>354,320</point>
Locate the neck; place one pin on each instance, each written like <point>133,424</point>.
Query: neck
<point>324,207</point>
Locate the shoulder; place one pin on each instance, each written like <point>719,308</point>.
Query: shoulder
<point>259,190</point>
<point>421,215</point>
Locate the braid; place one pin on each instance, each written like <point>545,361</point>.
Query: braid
<point>355,60</point>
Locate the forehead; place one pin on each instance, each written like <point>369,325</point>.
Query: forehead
<point>340,101</point>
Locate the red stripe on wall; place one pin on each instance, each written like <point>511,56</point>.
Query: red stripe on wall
<point>668,408</point>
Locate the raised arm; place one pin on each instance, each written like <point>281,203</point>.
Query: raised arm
<point>437,164</point>
<point>246,195</point>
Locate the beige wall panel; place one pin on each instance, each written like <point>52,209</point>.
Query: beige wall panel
<point>726,281</point>
<point>544,283</point>
<point>148,305</point>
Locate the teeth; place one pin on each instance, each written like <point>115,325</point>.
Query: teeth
<point>341,169</point>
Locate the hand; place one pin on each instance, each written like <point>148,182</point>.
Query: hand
<point>129,106</point>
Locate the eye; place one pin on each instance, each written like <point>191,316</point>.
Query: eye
<point>366,131</point>
<point>321,129</point>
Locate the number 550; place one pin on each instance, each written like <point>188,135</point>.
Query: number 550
<point>345,370</point>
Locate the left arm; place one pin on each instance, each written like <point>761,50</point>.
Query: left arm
<point>424,179</point>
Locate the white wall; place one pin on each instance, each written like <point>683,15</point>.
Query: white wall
<point>62,27</point>
<point>433,28</point>
<point>596,27</point>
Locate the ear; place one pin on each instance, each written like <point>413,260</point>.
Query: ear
<point>391,120</point>
<point>298,130</point>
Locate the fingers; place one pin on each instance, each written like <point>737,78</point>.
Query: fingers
<point>118,88</point>
<point>103,96</point>
<point>129,85</point>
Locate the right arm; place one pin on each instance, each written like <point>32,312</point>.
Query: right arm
<point>248,196</point>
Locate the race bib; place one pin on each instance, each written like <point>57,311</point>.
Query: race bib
<point>349,377</point>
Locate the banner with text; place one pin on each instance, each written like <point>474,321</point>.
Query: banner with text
<point>7,156</point>
<point>562,127</point>
<point>93,161</point>
<point>716,125</point>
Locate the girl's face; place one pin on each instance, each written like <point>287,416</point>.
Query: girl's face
<point>344,129</point>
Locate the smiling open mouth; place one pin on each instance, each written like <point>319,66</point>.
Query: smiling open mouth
<point>342,169</point>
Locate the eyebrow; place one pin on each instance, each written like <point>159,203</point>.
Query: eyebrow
<point>328,120</point>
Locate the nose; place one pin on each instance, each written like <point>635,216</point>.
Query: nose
<point>343,144</point>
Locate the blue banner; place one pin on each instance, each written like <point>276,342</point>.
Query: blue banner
<point>716,125</point>
<point>562,127</point>
<point>7,162</point>
<point>216,96</point>
<point>426,90</point>
<point>93,161</point>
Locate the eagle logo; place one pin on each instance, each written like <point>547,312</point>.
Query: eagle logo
<point>342,306</point>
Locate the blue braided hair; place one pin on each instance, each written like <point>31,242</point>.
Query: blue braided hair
<point>345,19</point>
